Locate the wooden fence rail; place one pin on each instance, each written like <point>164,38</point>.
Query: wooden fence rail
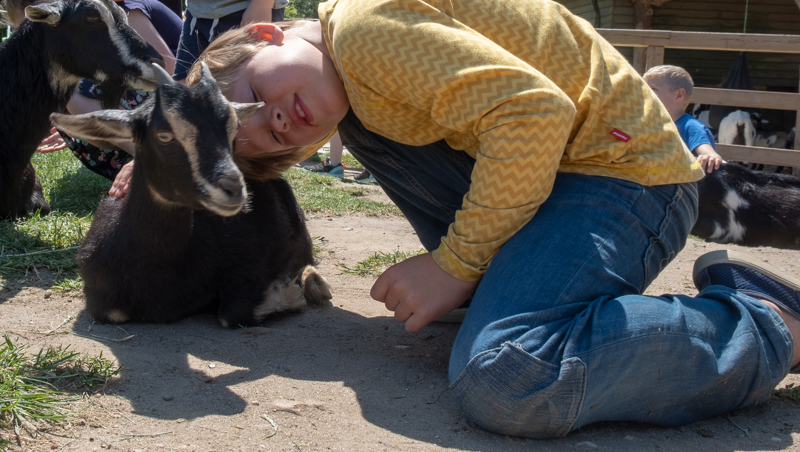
<point>655,41</point>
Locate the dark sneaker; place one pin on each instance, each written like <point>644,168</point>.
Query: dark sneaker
<point>327,168</point>
<point>749,276</point>
<point>364,177</point>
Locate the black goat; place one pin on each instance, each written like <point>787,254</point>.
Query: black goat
<point>178,244</point>
<point>750,208</point>
<point>40,66</point>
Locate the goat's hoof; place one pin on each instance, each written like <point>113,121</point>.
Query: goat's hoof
<point>315,288</point>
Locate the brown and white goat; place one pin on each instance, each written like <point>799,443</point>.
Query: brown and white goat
<point>41,63</point>
<point>180,242</point>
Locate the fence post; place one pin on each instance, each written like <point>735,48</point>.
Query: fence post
<point>655,57</point>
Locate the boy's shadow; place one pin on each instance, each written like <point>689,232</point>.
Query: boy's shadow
<point>187,370</point>
<point>195,368</point>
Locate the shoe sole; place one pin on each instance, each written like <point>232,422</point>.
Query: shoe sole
<point>744,260</point>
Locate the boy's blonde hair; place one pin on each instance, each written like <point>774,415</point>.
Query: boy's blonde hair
<point>674,76</point>
<point>225,57</point>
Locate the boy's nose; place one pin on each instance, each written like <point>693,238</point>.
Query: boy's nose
<point>279,120</point>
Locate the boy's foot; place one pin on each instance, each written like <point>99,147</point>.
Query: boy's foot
<point>364,177</point>
<point>327,168</point>
<point>749,276</point>
<point>763,282</point>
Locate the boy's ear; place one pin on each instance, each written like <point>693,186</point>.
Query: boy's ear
<point>267,32</point>
<point>680,95</point>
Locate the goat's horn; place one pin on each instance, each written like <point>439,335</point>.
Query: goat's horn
<point>205,73</point>
<point>161,74</point>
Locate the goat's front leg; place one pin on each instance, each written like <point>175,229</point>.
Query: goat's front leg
<point>249,305</point>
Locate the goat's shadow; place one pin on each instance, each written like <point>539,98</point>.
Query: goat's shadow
<point>195,368</point>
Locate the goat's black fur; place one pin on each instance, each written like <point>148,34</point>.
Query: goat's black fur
<point>40,67</point>
<point>750,208</point>
<point>156,256</point>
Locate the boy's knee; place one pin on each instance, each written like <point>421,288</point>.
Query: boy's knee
<point>509,391</point>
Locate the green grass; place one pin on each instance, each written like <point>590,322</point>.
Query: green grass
<point>790,392</point>
<point>41,386</point>
<point>324,194</point>
<point>377,263</point>
<point>50,242</point>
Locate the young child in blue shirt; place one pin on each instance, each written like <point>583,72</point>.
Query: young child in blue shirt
<point>674,86</point>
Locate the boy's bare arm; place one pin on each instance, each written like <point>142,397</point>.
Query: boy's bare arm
<point>258,11</point>
<point>708,158</point>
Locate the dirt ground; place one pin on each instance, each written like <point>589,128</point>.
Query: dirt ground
<point>343,377</point>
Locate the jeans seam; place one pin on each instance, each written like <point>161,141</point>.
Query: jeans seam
<point>662,228</point>
<point>417,186</point>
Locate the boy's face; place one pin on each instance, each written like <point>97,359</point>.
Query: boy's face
<point>303,96</point>
<point>671,98</point>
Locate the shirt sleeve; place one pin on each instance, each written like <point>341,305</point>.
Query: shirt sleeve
<point>467,83</point>
<point>698,134</point>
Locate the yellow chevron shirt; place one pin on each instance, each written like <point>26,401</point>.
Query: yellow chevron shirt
<point>523,86</point>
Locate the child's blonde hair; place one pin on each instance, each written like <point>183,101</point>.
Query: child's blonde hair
<point>675,77</point>
<point>224,57</point>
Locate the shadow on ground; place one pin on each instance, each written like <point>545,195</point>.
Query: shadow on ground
<point>194,368</point>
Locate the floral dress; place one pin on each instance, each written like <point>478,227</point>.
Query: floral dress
<point>105,162</point>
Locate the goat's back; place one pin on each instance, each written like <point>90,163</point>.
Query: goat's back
<point>751,208</point>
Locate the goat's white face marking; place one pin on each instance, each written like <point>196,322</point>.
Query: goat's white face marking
<point>187,134</point>
<point>120,43</point>
<point>61,82</point>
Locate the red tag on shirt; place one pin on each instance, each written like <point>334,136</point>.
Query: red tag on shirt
<point>621,135</point>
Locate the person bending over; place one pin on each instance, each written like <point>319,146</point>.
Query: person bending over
<point>546,181</point>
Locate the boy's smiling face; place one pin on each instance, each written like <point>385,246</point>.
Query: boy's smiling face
<point>303,96</point>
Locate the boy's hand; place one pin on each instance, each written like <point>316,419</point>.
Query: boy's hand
<point>52,143</point>
<point>419,291</point>
<point>121,183</point>
<point>708,158</point>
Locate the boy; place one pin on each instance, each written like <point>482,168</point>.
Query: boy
<point>673,86</point>
<point>546,180</point>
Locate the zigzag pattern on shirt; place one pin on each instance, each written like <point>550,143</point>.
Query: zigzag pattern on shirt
<point>525,87</point>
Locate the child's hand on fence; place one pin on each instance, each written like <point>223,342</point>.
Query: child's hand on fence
<point>419,291</point>
<point>121,183</point>
<point>52,143</point>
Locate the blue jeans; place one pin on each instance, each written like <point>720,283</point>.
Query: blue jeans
<point>558,334</point>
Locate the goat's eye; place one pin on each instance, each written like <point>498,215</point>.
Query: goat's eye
<point>93,18</point>
<point>165,137</point>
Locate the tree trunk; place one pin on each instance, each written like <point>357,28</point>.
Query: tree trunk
<point>643,18</point>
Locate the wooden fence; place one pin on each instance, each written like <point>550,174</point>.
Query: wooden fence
<point>655,41</point>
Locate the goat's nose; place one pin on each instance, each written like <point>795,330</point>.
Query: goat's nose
<point>232,186</point>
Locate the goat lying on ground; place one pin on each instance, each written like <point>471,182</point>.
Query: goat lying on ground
<point>41,64</point>
<point>178,244</point>
<point>751,208</point>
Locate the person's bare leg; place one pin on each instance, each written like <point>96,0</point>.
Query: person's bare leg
<point>336,150</point>
<point>792,323</point>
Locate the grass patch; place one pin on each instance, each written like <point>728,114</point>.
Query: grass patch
<point>36,387</point>
<point>347,158</point>
<point>51,241</point>
<point>790,392</point>
<point>378,263</point>
<point>324,194</point>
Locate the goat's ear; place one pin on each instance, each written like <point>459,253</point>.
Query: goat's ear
<point>245,111</point>
<point>49,13</point>
<point>115,126</point>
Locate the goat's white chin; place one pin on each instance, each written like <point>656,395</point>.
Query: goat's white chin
<point>223,209</point>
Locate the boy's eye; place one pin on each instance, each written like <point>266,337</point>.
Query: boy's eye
<point>275,137</point>
<point>255,98</point>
